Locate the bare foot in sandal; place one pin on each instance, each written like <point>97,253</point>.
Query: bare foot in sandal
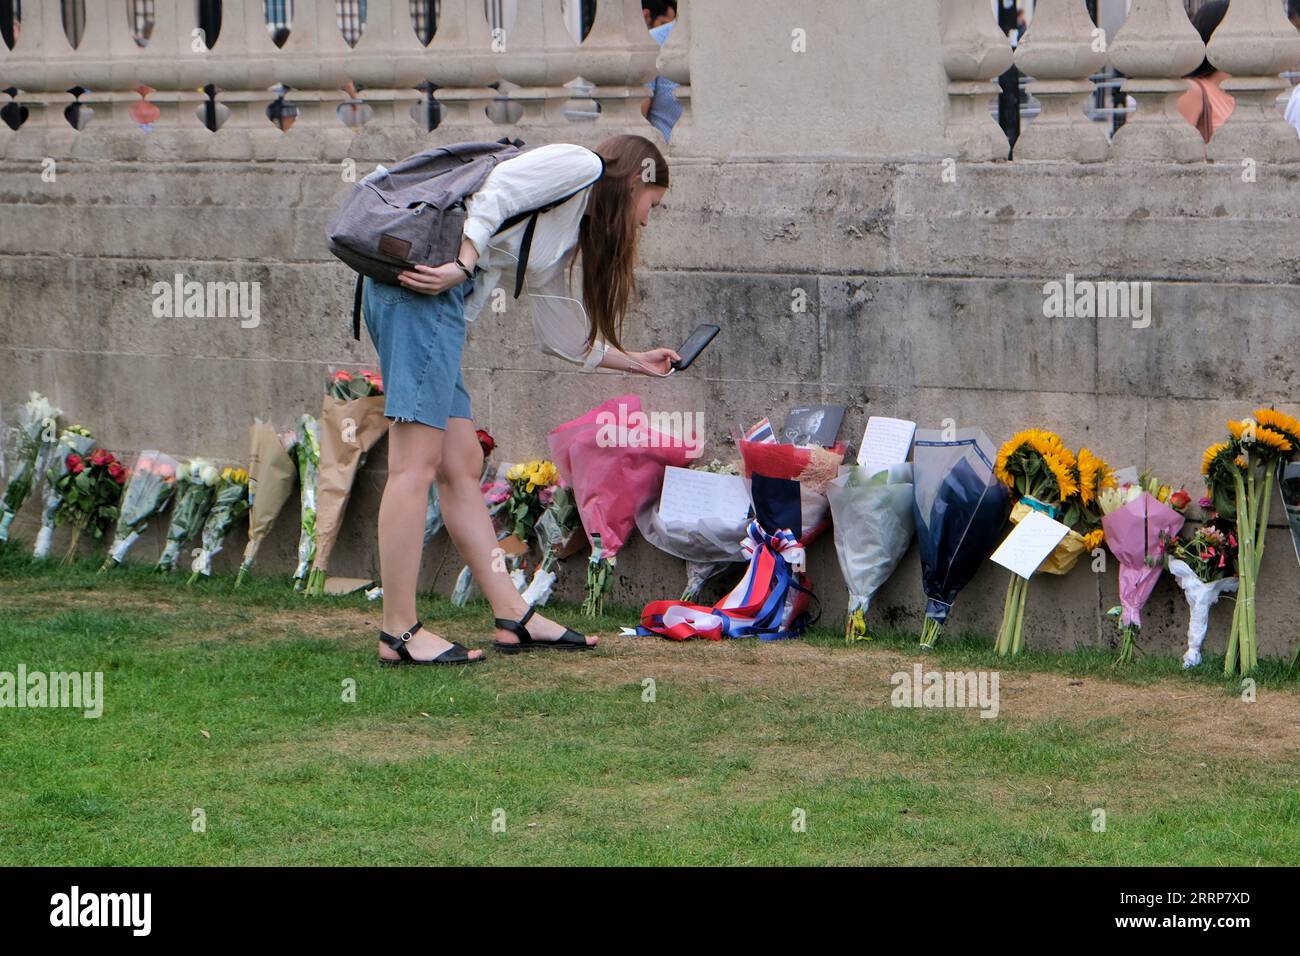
<point>525,629</point>
<point>421,646</point>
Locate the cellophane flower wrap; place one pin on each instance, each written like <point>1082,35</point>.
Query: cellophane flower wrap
<point>352,421</point>
<point>1140,527</point>
<point>1205,567</point>
<point>306,451</point>
<point>149,490</point>
<point>559,532</point>
<point>196,482</point>
<point>874,524</point>
<point>272,471</point>
<point>76,443</point>
<point>960,511</point>
<point>495,489</point>
<point>1239,473</point>
<point>708,546</point>
<point>38,430</point>
<point>614,462</point>
<point>229,503</point>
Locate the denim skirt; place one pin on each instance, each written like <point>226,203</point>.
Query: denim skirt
<point>419,338</point>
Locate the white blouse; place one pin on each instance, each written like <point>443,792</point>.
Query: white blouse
<point>533,179</point>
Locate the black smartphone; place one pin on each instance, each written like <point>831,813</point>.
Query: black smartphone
<point>694,345</point>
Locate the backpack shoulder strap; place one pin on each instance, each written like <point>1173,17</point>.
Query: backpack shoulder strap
<point>356,307</point>
<point>526,242</point>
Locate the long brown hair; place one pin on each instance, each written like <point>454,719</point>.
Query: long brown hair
<point>607,237</point>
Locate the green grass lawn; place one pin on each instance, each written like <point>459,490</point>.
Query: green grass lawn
<point>231,702</point>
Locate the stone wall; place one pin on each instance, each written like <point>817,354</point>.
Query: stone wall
<point>924,301</point>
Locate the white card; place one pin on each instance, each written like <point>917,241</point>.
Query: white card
<point>886,442</point>
<point>1029,543</point>
<point>690,496</point>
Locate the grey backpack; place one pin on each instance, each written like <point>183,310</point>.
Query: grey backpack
<point>414,213</point>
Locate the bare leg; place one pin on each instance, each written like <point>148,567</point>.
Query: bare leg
<point>414,453</point>
<point>470,527</point>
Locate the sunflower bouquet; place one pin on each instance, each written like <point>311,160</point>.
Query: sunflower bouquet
<point>1239,474</point>
<point>1042,475</point>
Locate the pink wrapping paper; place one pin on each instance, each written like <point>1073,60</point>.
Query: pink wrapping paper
<point>613,470</point>
<point>1140,529</point>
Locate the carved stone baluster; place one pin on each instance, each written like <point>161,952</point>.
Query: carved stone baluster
<point>540,55</point>
<point>1254,43</point>
<point>619,57</point>
<point>975,54</point>
<point>1155,49</point>
<point>461,64</point>
<point>1060,51</point>
<point>390,62</point>
<point>311,63</point>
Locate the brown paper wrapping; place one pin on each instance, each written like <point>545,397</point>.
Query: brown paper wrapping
<point>362,420</point>
<point>271,476</point>
<point>1064,556</point>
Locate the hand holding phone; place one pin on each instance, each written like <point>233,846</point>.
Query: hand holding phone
<point>694,345</point>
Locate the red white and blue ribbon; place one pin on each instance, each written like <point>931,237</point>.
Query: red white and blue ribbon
<point>754,608</point>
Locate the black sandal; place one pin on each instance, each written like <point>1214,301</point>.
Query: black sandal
<point>570,640</point>
<point>456,654</point>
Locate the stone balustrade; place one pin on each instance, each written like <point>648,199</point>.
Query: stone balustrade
<point>124,86</point>
<point>827,85</point>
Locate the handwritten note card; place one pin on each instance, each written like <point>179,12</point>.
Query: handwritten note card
<point>1029,544</point>
<point>887,442</point>
<point>690,496</point>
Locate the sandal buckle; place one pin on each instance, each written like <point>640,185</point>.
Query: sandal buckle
<point>405,636</point>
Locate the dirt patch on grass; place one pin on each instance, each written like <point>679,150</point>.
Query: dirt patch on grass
<point>1159,717</point>
<point>417,738</point>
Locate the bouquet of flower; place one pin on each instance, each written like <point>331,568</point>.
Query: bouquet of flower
<point>345,386</point>
<point>559,531</point>
<point>89,493</point>
<point>229,501</point>
<point>75,441</point>
<point>874,525</point>
<point>195,484</point>
<point>349,427</point>
<point>612,479</point>
<point>306,451</point>
<point>271,474</point>
<point>1140,522</point>
<point>960,509</point>
<point>708,546</point>
<point>1205,567</point>
<point>1239,473</point>
<point>37,431</point>
<point>149,490</point>
<point>528,483</point>
<point>1043,475</point>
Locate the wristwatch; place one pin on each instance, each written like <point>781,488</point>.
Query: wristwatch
<point>469,273</point>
